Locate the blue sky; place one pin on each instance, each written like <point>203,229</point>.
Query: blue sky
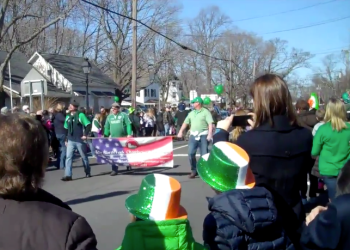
<point>323,39</point>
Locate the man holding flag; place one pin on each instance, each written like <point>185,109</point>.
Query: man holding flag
<point>117,125</point>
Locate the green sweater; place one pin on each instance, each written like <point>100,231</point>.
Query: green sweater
<point>333,148</point>
<point>118,125</point>
<point>154,235</point>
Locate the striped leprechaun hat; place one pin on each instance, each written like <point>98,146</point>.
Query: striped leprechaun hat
<point>313,101</point>
<point>226,168</point>
<point>158,198</point>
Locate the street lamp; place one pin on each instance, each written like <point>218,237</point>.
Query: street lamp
<point>87,69</point>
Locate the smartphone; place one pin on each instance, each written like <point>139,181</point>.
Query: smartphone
<point>241,121</point>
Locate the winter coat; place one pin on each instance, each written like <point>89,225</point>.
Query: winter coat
<point>159,235</point>
<point>245,219</point>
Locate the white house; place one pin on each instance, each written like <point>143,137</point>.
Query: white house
<point>65,73</point>
<point>147,94</point>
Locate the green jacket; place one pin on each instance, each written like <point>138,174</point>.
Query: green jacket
<point>156,235</point>
<point>333,148</point>
<point>118,125</point>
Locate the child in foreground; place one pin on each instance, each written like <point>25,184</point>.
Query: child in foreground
<point>242,215</point>
<point>158,221</point>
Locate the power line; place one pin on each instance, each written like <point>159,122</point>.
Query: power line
<point>166,37</point>
<point>286,30</point>
<point>283,12</point>
<point>309,26</point>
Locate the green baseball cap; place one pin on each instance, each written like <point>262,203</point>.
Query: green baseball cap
<point>197,99</point>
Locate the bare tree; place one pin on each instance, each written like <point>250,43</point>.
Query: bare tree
<point>278,58</point>
<point>118,30</point>
<point>15,15</point>
<point>328,76</point>
<point>205,31</point>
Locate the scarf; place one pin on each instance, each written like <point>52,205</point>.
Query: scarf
<point>72,122</point>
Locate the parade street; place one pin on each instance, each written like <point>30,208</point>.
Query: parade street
<point>100,199</point>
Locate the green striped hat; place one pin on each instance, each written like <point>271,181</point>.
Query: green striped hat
<point>157,199</point>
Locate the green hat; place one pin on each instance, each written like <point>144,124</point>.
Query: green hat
<point>197,99</point>
<point>226,167</point>
<point>131,110</point>
<point>346,98</point>
<point>313,101</point>
<point>157,199</point>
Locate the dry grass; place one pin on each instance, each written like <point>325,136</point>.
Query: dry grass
<point>49,102</point>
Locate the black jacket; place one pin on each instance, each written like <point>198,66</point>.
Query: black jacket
<point>280,157</point>
<point>244,219</point>
<point>160,122</point>
<point>43,222</point>
<point>181,116</point>
<point>58,123</point>
<point>330,229</point>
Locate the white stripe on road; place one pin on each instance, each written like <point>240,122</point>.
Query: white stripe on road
<point>180,147</point>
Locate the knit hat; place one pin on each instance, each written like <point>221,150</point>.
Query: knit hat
<point>116,105</point>
<point>181,106</point>
<point>25,107</point>
<point>75,104</point>
<point>157,199</point>
<point>226,168</point>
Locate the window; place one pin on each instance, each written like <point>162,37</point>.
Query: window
<point>173,95</point>
<point>146,92</point>
<point>153,93</point>
<point>138,93</point>
<point>174,84</point>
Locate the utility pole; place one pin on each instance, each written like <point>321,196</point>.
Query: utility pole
<point>134,54</point>
<point>231,74</point>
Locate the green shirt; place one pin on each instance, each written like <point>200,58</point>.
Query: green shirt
<point>166,234</point>
<point>333,148</point>
<point>118,125</point>
<point>199,120</point>
<point>82,119</point>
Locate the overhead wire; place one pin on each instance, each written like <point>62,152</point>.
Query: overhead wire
<point>284,12</point>
<point>168,38</point>
<point>308,26</point>
<point>184,47</point>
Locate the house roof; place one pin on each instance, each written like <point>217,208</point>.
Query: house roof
<point>19,69</point>
<point>70,68</point>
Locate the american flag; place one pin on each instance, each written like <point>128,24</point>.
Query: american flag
<point>135,152</point>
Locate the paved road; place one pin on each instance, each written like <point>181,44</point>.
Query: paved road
<point>100,199</point>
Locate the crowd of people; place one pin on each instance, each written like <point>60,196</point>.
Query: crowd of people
<point>258,172</point>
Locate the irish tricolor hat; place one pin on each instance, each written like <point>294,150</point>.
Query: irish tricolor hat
<point>226,168</point>
<point>313,101</point>
<point>157,199</point>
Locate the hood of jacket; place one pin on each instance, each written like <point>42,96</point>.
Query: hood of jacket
<point>251,210</point>
<point>167,234</point>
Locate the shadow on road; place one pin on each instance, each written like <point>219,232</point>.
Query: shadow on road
<point>97,197</point>
<point>146,171</point>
